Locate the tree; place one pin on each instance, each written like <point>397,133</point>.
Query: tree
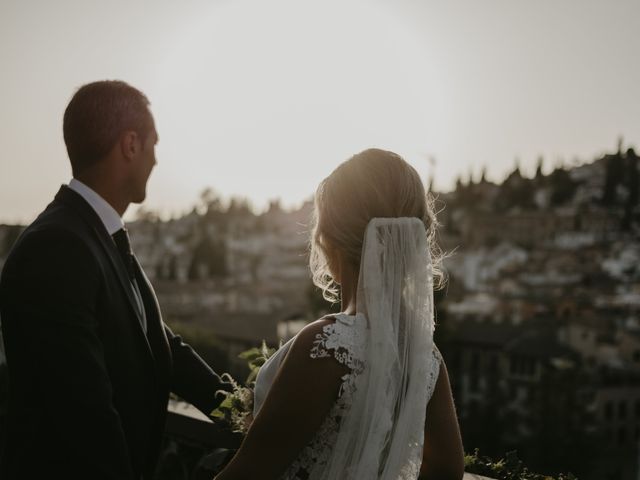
<point>212,255</point>
<point>145,215</point>
<point>239,207</point>
<point>483,176</point>
<point>515,191</point>
<point>563,187</point>
<point>614,176</point>
<point>210,200</point>
<point>632,184</point>
<point>539,174</point>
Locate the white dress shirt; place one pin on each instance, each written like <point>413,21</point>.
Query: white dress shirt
<point>110,218</point>
<point>112,222</point>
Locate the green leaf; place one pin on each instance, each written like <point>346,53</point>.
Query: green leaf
<point>217,414</point>
<point>251,354</point>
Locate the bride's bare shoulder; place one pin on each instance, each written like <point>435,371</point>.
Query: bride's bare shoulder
<point>309,334</point>
<point>307,341</point>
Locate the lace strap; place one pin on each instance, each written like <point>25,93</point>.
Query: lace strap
<point>341,340</point>
<point>434,372</point>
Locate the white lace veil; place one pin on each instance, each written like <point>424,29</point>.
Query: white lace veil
<point>382,433</point>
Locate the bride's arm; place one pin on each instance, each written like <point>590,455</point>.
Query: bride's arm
<point>302,394</point>
<point>443,456</point>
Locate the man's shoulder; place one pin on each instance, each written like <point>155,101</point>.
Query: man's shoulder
<point>56,220</point>
<point>50,251</point>
<point>57,228</point>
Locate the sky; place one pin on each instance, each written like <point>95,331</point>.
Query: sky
<point>263,99</point>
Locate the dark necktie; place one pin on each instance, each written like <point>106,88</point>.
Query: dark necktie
<point>121,237</point>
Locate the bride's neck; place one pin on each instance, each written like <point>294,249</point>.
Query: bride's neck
<point>348,289</point>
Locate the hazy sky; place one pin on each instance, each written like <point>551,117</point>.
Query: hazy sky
<point>264,98</point>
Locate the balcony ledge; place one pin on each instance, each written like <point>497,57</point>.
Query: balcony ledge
<point>188,424</point>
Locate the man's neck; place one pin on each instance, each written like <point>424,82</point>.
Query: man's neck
<point>109,194</point>
<point>110,218</point>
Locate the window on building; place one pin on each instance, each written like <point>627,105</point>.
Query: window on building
<point>474,409</point>
<point>456,360</point>
<point>608,410</point>
<point>513,365</point>
<point>615,475</point>
<point>622,436</point>
<point>622,410</point>
<point>475,361</point>
<point>521,365</point>
<point>493,364</point>
<point>531,367</point>
<point>473,382</point>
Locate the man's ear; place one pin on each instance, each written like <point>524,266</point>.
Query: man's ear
<point>129,144</point>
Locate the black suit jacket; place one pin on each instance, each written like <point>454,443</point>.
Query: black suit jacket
<point>88,390</point>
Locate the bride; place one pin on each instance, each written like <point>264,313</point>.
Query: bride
<point>363,394</point>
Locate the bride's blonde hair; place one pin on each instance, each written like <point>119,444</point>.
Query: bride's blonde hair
<point>372,183</point>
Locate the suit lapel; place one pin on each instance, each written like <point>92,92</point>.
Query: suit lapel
<point>155,326</point>
<point>75,201</point>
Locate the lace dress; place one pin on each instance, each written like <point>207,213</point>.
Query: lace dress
<point>343,341</point>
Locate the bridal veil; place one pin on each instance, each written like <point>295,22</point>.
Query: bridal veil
<point>381,434</point>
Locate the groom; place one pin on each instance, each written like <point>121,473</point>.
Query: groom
<point>90,361</point>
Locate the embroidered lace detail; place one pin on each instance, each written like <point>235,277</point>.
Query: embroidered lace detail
<point>344,341</point>
<point>434,372</point>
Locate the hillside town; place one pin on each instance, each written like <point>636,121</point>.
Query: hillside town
<point>539,322</point>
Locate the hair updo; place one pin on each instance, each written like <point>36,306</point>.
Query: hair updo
<point>372,183</point>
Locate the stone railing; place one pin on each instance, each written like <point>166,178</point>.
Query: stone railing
<point>190,437</point>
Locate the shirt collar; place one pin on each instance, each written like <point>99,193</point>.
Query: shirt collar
<point>109,217</point>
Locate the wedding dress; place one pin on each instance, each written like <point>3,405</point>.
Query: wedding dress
<point>375,429</point>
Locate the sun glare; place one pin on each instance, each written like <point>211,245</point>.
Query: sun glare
<point>252,102</point>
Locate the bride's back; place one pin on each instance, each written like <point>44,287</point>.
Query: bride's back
<point>350,396</point>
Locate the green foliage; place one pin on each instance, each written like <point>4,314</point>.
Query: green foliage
<point>515,192</point>
<point>237,408</point>
<point>563,187</point>
<point>256,357</point>
<point>212,254</point>
<point>508,468</point>
<point>614,176</point>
